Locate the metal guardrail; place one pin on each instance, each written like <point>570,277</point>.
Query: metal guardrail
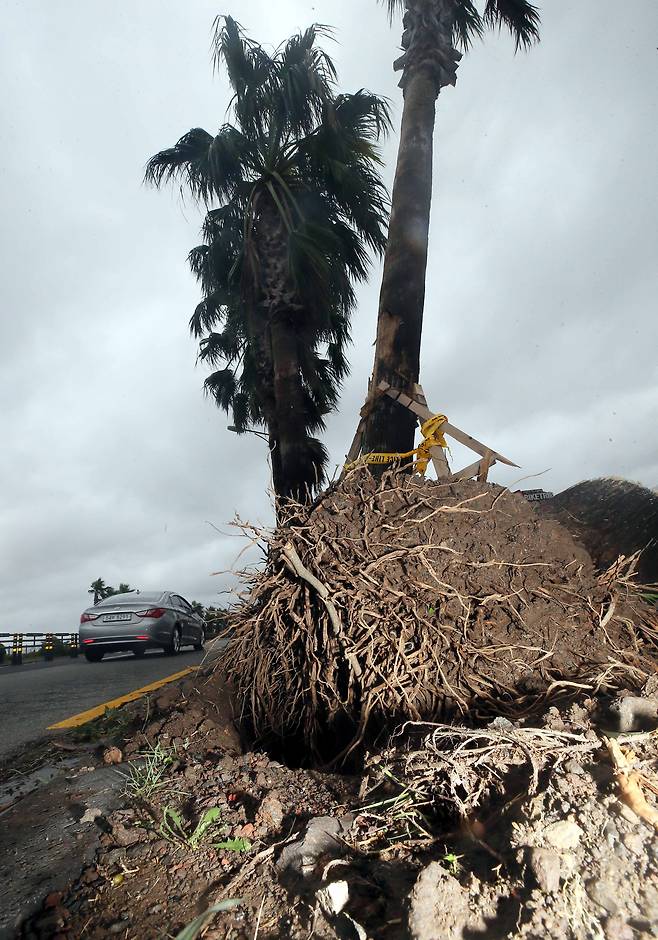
<point>17,645</point>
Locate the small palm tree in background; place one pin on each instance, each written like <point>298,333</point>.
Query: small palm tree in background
<point>433,30</point>
<point>101,590</point>
<point>294,205</point>
<point>98,588</point>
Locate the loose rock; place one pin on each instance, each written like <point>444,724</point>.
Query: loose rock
<point>603,893</point>
<point>271,812</point>
<point>564,834</point>
<point>323,838</point>
<point>545,866</point>
<point>124,836</point>
<point>112,755</point>
<point>438,906</point>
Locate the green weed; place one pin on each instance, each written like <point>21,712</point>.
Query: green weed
<point>399,816</point>
<point>150,774</point>
<point>234,845</point>
<point>452,863</point>
<point>175,829</point>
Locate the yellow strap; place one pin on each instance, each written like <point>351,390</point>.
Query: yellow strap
<point>432,437</point>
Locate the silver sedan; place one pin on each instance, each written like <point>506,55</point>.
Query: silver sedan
<point>139,621</point>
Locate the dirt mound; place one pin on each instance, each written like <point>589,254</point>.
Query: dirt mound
<point>611,518</point>
<point>549,848</point>
<point>408,599</point>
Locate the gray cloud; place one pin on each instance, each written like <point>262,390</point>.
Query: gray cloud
<point>540,325</point>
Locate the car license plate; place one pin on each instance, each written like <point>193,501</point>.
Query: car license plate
<point>112,618</point>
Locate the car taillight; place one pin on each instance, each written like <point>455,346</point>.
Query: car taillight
<point>85,618</point>
<point>142,637</point>
<point>87,641</point>
<point>152,612</point>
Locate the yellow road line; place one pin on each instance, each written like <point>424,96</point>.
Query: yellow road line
<point>83,717</point>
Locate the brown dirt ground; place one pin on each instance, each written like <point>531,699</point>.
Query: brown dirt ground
<point>567,861</point>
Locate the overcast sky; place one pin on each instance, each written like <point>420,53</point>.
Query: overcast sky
<point>540,325</point>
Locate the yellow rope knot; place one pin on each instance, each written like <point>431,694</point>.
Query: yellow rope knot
<point>432,437</point>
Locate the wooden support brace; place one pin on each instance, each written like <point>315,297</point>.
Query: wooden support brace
<point>423,412</point>
<point>418,406</point>
<point>355,448</point>
<point>468,472</point>
<point>471,442</point>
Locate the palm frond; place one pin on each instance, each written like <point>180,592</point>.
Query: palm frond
<point>242,411</point>
<point>206,166</point>
<point>520,17</point>
<point>221,386</point>
<point>210,312</point>
<point>393,6</point>
<point>226,346</point>
<point>467,24</point>
<point>246,61</point>
<point>299,84</point>
<point>360,114</point>
<point>186,161</point>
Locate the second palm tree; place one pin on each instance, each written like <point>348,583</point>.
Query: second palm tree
<point>295,203</point>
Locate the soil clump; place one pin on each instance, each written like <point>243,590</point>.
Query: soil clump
<point>406,599</point>
<point>610,518</point>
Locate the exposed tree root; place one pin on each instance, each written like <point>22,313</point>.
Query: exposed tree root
<point>403,599</point>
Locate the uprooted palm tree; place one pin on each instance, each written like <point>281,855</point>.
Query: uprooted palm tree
<point>433,29</point>
<point>294,203</point>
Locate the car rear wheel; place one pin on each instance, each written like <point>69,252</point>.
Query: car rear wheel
<point>173,647</point>
<point>199,646</point>
<point>94,656</point>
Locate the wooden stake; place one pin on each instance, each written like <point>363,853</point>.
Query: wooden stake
<point>483,470</point>
<point>468,472</point>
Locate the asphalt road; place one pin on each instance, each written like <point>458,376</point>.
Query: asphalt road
<point>37,695</point>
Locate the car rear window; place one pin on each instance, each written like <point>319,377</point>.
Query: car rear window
<point>143,597</point>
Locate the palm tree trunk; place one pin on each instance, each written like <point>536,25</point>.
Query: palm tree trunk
<point>293,441</point>
<point>292,453</point>
<point>428,63</point>
<point>260,345</point>
<point>402,296</point>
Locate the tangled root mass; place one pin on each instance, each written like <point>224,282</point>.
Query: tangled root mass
<point>402,598</point>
